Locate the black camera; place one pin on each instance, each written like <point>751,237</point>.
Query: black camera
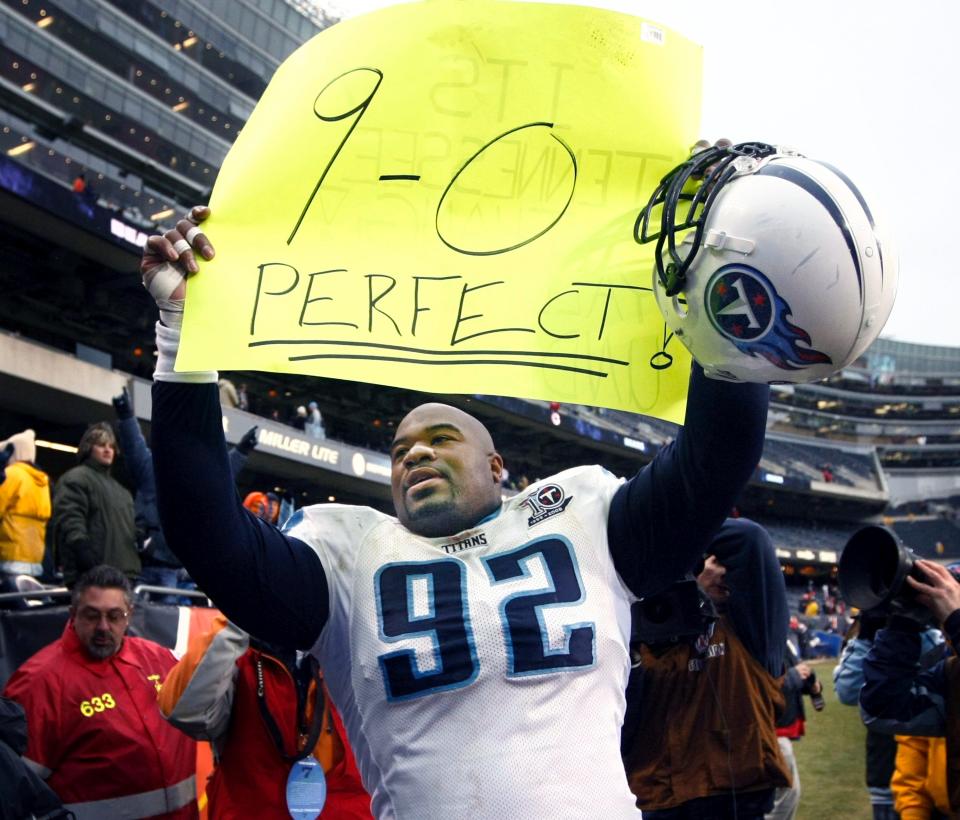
<point>873,572</point>
<point>816,698</point>
<point>682,610</point>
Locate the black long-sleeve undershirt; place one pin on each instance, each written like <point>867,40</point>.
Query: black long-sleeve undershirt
<point>259,577</point>
<point>662,520</point>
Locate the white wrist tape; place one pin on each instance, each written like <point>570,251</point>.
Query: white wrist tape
<point>162,281</point>
<point>171,312</point>
<point>168,342</point>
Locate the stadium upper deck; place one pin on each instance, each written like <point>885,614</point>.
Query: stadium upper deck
<point>144,98</point>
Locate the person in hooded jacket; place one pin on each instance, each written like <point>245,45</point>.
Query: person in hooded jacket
<point>93,520</point>
<point>24,512</point>
<point>160,565</point>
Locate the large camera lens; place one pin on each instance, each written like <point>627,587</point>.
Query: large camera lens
<point>874,567</point>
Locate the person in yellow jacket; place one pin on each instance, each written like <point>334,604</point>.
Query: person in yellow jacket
<point>919,781</point>
<point>24,512</point>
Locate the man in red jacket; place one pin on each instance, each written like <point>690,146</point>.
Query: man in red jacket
<point>95,733</point>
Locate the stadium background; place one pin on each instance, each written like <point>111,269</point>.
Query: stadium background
<point>144,99</point>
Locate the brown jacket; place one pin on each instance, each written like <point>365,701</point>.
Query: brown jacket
<point>708,723</point>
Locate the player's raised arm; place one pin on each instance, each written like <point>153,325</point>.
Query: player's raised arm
<point>663,518</point>
<point>770,268</point>
<point>249,569</point>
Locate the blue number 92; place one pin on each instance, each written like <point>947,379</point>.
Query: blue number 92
<point>428,599</point>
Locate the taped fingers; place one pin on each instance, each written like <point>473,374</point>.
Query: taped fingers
<point>182,250</point>
<point>157,250</point>
<point>195,236</point>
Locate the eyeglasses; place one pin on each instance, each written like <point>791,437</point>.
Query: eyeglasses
<point>92,616</point>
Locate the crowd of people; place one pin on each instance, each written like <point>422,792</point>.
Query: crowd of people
<point>306,417</point>
<point>54,532</point>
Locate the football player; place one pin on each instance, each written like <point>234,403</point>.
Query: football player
<point>476,647</point>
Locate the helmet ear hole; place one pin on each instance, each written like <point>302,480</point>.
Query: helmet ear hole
<point>679,305</point>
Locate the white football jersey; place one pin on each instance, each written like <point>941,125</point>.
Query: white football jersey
<point>481,675</point>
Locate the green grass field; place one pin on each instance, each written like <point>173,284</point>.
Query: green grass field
<point>831,758</point>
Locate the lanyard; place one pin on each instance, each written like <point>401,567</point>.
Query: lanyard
<point>314,732</point>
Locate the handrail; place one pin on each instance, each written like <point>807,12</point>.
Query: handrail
<point>49,592</point>
<point>140,589</point>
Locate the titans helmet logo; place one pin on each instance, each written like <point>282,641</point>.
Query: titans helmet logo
<point>744,306</point>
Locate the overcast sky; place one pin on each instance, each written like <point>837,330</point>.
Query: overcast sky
<point>871,87</point>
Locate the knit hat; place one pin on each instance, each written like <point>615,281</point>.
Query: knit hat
<point>24,446</point>
<point>265,506</point>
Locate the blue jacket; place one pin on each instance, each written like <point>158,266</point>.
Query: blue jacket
<point>905,683</point>
<point>140,465</point>
<point>848,674</point>
<point>139,462</point>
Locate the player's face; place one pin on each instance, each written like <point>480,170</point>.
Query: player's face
<point>445,472</point>
<point>712,582</point>
<point>100,620</point>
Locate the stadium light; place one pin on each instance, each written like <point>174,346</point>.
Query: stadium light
<point>53,445</point>
<point>22,148</point>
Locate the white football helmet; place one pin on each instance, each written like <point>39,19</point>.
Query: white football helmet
<point>772,270</point>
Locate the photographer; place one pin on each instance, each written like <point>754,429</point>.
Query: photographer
<point>712,695</point>
<point>902,695</point>
<point>799,680</point>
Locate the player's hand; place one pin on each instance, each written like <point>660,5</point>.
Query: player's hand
<point>169,258</point>
<point>703,145</point>
<point>940,593</point>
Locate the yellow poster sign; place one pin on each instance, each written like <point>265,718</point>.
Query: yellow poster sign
<point>442,196</point>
